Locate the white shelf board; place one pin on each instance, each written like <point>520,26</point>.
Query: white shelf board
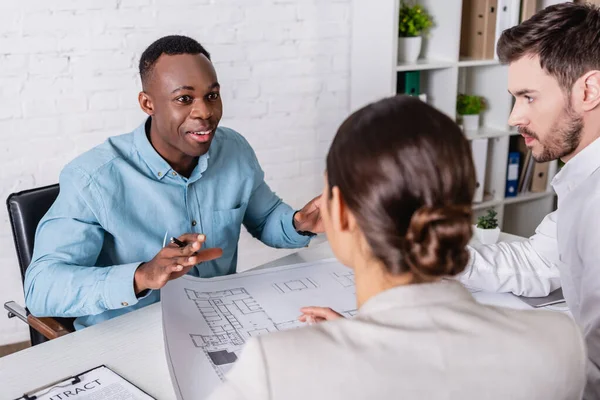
<point>487,204</point>
<point>469,62</point>
<point>424,64</point>
<point>512,200</point>
<point>527,197</point>
<point>487,132</point>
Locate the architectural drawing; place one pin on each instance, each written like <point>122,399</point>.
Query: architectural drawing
<point>346,279</point>
<point>295,285</point>
<point>207,322</point>
<point>233,317</point>
<point>349,313</point>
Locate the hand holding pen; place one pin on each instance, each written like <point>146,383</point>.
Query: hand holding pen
<point>173,261</point>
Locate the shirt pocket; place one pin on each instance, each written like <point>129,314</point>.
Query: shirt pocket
<point>226,226</point>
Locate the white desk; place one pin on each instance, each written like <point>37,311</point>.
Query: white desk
<point>131,345</point>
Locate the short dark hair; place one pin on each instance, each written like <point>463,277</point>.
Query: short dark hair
<point>170,45</point>
<point>406,172</point>
<point>565,36</point>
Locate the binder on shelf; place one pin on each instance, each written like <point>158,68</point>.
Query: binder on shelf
<point>507,17</point>
<point>409,82</point>
<point>529,7</point>
<point>512,174</point>
<point>526,184</point>
<point>478,29</point>
<point>517,144</point>
<point>539,179</point>
<point>479,148</point>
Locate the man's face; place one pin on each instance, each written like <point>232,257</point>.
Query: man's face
<point>186,105</point>
<point>542,111</point>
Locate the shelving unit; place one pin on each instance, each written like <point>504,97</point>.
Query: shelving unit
<point>444,74</point>
<point>423,65</point>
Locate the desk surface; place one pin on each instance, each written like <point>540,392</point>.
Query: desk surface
<point>132,345</point>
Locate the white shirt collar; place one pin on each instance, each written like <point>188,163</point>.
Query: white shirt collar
<point>576,170</point>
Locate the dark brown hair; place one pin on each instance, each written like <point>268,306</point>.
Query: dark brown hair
<point>405,171</point>
<point>565,36</point>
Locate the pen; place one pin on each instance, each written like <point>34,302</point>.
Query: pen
<point>177,242</point>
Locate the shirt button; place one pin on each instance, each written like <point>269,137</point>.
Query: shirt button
<point>124,304</point>
<point>194,222</point>
<point>160,174</point>
<point>174,173</point>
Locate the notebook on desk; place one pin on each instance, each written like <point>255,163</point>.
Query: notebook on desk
<point>554,297</point>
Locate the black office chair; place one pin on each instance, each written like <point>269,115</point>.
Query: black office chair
<point>25,210</point>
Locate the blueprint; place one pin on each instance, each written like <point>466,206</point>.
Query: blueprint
<point>206,322</point>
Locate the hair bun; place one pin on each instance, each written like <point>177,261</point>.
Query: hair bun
<point>436,240</point>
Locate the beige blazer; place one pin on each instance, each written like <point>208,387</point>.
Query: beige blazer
<point>427,341</point>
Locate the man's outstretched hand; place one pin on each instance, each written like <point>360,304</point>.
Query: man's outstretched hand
<point>172,262</point>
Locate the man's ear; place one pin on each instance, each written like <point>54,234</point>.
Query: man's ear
<point>146,103</point>
<point>589,90</point>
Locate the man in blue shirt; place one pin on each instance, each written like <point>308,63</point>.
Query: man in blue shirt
<point>103,248</point>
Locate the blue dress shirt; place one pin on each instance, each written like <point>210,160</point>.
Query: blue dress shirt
<point>119,200</point>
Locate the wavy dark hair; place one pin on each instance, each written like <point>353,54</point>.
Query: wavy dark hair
<point>565,36</point>
<point>406,172</point>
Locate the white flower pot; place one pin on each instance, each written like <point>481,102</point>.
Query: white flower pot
<point>487,236</point>
<point>409,49</point>
<point>470,122</point>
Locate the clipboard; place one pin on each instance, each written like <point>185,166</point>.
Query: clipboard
<point>90,381</point>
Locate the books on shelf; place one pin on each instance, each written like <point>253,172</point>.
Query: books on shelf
<point>528,8</point>
<point>507,17</point>
<point>539,180</point>
<point>478,29</point>
<point>512,174</point>
<point>483,22</point>
<point>479,148</point>
<point>409,83</point>
<point>533,176</point>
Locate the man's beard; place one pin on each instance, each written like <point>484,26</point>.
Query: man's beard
<point>562,140</point>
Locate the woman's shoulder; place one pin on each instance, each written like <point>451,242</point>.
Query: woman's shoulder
<point>547,332</point>
<point>325,338</point>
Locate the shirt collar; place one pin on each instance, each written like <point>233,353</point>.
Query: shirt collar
<point>417,295</point>
<point>158,165</point>
<point>577,169</point>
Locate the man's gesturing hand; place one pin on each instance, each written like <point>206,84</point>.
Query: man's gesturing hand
<point>172,262</point>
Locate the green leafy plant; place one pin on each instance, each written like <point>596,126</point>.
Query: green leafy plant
<point>488,221</point>
<point>414,20</point>
<point>469,105</point>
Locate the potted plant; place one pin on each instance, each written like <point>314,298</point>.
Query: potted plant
<point>469,107</point>
<point>487,229</point>
<point>414,21</point>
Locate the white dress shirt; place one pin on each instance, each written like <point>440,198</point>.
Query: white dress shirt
<point>566,246</point>
<point>413,342</point>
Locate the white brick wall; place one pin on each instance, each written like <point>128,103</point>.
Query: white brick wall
<point>68,80</point>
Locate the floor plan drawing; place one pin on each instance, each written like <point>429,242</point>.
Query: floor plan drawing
<point>207,322</point>
<point>233,317</point>
<point>349,313</point>
<point>295,285</point>
<point>346,279</point>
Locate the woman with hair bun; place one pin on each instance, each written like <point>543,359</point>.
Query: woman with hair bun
<point>396,207</point>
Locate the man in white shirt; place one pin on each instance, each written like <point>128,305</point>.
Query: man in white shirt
<point>554,75</point>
